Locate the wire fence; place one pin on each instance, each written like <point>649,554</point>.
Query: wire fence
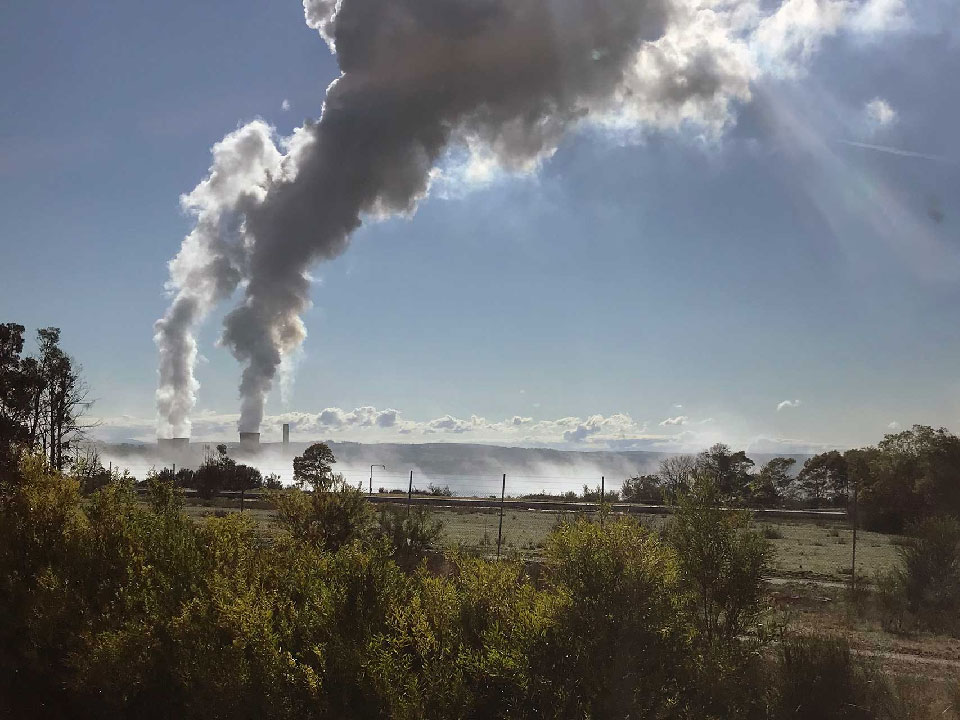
<point>497,513</point>
<point>510,513</point>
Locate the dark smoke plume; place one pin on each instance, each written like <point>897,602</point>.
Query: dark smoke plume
<point>507,77</point>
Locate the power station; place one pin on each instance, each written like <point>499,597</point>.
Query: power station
<point>173,446</point>
<point>250,442</point>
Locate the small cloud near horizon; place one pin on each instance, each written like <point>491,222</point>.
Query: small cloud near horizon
<point>678,420</point>
<point>788,404</point>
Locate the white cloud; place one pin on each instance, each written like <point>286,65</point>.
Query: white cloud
<point>894,426</point>
<point>285,105</point>
<point>785,446</point>
<point>784,41</point>
<point>678,420</point>
<point>335,418</point>
<point>788,404</point>
<point>879,113</point>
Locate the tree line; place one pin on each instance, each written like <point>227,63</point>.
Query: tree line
<point>907,477</point>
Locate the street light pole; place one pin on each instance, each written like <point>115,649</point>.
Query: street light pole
<point>371,475</point>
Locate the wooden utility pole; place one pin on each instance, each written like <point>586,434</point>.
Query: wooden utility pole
<point>410,493</point>
<point>503,492</point>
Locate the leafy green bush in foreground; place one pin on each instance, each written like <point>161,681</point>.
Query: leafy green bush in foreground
<point>109,608</point>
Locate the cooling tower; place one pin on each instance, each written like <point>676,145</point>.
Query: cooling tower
<point>177,445</point>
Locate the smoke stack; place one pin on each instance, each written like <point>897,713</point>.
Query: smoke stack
<point>286,435</point>
<point>250,441</point>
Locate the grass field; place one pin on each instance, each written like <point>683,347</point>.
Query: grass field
<point>802,548</point>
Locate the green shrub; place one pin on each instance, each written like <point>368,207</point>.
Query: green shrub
<point>721,562</point>
<point>771,532</point>
<point>116,608</point>
<point>819,677</point>
<point>410,531</point>
<point>929,576</point>
<point>330,516</point>
<point>616,646</point>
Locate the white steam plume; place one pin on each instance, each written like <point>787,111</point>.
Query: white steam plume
<point>209,265</point>
<point>418,76</point>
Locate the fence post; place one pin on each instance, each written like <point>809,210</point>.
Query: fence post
<point>853,560</point>
<point>503,491</point>
<point>410,493</point>
<point>600,506</point>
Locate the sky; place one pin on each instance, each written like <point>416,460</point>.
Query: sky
<point>783,278</point>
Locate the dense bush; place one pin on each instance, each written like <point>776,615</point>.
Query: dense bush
<point>114,608</point>
<point>330,516</point>
<point>924,590</point>
<point>410,531</point>
<point>819,677</point>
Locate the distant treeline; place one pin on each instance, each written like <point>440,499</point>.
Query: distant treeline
<point>907,477</point>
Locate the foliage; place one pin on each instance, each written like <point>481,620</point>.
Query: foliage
<point>593,495</point>
<point>221,472</point>
<point>925,588</point>
<point>819,677</point>
<point>410,531</point>
<point>313,468</point>
<point>642,489</point>
<point>615,644</point>
<point>676,474</point>
<point>185,478</point>
<point>772,483</point>
<point>41,398</point>
<point>824,477</point>
<point>329,517</point>
<point>721,562</point>
<point>117,608</point>
<point>272,482</point>
<point>728,470</point>
<point>908,476</point>
<point>89,470</point>
<point>461,645</point>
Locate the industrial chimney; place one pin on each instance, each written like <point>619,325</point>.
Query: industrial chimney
<point>250,441</point>
<point>286,436</point>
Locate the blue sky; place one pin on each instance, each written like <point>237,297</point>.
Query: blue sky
<point>662,289</point>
